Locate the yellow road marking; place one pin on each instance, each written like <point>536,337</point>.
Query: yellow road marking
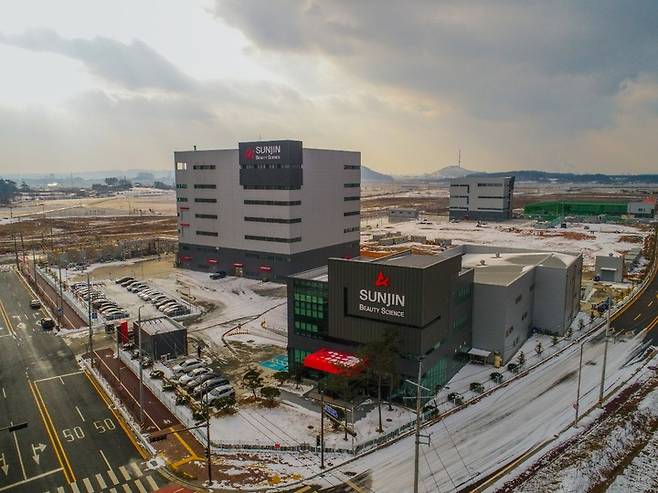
<point>10,327</point>
<point>304,489</point>
<point>52,434</point>
<point>185,460</point>
<point>183,443</point>
<point>123,425</point>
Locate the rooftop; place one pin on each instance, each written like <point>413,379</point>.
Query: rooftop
<point>160,325</point>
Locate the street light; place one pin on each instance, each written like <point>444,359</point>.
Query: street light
<point>580,369</point>
<point>605,348</point>
<point>141,366</point>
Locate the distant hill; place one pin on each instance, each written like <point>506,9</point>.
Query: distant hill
<point>450,172</point>
<point>370,175</point>
<point>555,177</point>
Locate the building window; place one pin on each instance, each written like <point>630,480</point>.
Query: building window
<point>270,187</point>
<point>205,216</point>
<point>206,201</point>
<point>525,315</point>
<point>273,202</point>
<point>207,233</point>
<point>496,209</point>
<point>273,220</point>
<point>532,287</point>
<point>518,299</point>
<point>181,185</point>
<point>203,166</point>
<point>347,199</point>
<point>352,185</point>
<point>273,239</point>
<point>181,199</point>
<point>509,330</point>
<point>206,186</point>
<point>181,166</point>
<point>490,184</point>
<point>490,197</point>
<point>351,213</point>
<point>351,166</point>
<point>351,230</point>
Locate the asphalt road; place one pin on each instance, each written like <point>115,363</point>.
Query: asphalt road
<point>641,315</point>
<point>73,441</point>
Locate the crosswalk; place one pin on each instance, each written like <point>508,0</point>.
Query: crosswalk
<point>124,479</point>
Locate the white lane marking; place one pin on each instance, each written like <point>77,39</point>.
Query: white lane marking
<point>123,471</point>
<point>61,380</point>
<point>57,376</point>
<point>78,409</point>
<point>101,481</point>
<point>20,457</point>
<point>38,476</point>
<point>74,488</point>
<point>113,477</point>
<point>126,488</point>
<point>87,483</point>
<point>113,490</point>
<point>105,459</point>
<point>136,468</point>
<point>60,489</point>
<point>4,394</point>
<point>140,486</point>
<point>152,484</point>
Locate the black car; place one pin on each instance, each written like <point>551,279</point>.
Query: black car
<point>47,323</point>
<point>218,275</point>
<point>35,304</point>
<point>496,377</point>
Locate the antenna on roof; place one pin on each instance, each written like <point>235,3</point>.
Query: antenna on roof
<point>459,159</point>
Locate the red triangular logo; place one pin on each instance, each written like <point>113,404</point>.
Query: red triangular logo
<point>382,281</point>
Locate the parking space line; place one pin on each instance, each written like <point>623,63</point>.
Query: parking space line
<point>104,459</point>
<point>80,414</point>
<point>124,471</point>
<point>152,484</point>
<point>54,438</point>
<point>126,488</point>
<point>58,376</point>
<point>113,477</point>
<point>140,486</point>
<point>88,485</point>
<point>60,489</point>
<point>74,488</point>
<point>101,481</point>
<point>135,467</point>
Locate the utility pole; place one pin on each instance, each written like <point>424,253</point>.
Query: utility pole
<point>60,310</point>
<point>605,352</point>
<point>321,426</point>
<point>16,251</point>
<point>34,271</point>
<point>91,339</point>
<point>580,370</point>
<point>417,438</point>
<point>208,462</point>
<point>141,366</point>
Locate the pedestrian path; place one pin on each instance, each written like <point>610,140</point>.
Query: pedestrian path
<point>124,479</point>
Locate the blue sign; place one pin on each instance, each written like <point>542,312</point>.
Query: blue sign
<point>330,411</point>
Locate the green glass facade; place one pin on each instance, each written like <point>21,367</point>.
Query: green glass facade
<point>552,210</point>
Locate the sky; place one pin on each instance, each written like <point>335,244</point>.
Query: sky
<point>561,86</point>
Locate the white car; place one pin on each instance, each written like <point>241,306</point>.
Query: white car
<point>188,377</point>
<point>218,393</point>
<point>186,366</point>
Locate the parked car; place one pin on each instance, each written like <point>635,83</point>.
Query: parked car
<point>134,354</point>
<point>164,302</point>
<point>156,374</point>
<point>117,315</point>
<point>188,377</point>
<point>217,394</point>
<point>186,366</point>
<point>146,293</point>
<point>476,387</point>
<point>209,385</point>
<point>138,288</point>
<point>128,346</point>
<point>127,282</point>
<point>47,323</point>
<point>124,279</point>
<point>35,304</point>
<point>218,275</point>
<point>195,382</point>
<point>147,362</point>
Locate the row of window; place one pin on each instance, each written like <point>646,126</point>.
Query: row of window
<point>308,312</point>
<point>273,239</point>
<point>270,166</point>
<point>352,213</point>
<point>310,298</point>
<point>181,185</point>
<point>495,209</point>
<point>205,216</point>
<point>351,166</point>
<point>206,186</point>
<point>490,197</point>
<point>270,187</point>
<point>351,230</point>
<point>273,202</point>
<point>207,233</point>
<point>490,184</point>
<point>277,220</point>
<point>306,328</point>
<point>352,185</point>
<point>203,166</point>
<point>206,201</point>
<point>347,199</point>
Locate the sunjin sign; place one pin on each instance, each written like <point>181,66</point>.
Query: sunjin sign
<point>377,301</point>
<point>285,152</point>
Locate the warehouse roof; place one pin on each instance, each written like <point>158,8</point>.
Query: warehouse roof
<point>160,325</point>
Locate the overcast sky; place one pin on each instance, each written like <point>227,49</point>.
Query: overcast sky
<point>560,85</point>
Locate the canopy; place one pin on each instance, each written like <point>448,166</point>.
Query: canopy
<point>334,362</point>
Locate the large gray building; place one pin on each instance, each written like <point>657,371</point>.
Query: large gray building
<point>425,301</point>
<point>517,291</point>
<point>267,209</point>
<point>481,198</point>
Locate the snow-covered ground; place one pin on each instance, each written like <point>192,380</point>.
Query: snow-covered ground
<point>590,239</point>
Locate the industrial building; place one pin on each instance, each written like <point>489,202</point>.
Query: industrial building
<point>423,300</point>
<point>644,209</point>
<point>553,210</point>
<point>517,291</point>
<point>266,209</point>
<point>481,198</point>
<point>468,300</point>
<point>610,267</point>
<point>397,214</point>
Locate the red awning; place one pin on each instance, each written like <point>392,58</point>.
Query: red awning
<point>238,265</point>
<point>185,225</point>
<point>185,208</point>
<point>265,268</point>
<point>334,362</point>
<point>213,261</point>
<point>185,258</point>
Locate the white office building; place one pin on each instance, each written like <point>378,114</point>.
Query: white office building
<point>267,209</point>
<point>481,198</point>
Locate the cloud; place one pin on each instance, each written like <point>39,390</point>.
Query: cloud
<point>133,66</point>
